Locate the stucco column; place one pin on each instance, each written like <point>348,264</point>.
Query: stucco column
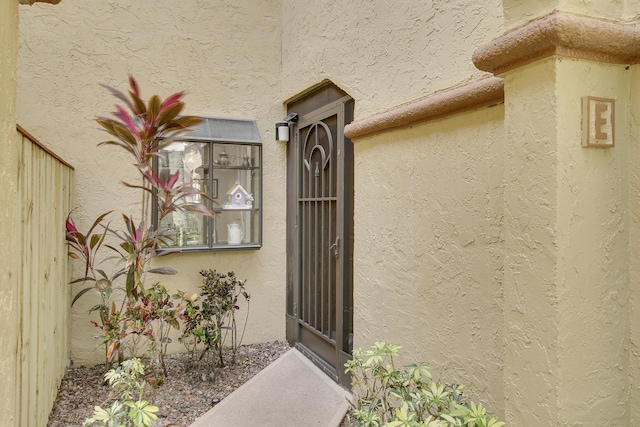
<point>531,252</point>
<point>634,241</point>
<point>8,210</point>
<point>568,213</point>
<point>566,286</point>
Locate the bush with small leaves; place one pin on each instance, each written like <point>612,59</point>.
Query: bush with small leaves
<point>127,383</point>
<point>209,318</point>
<point>407,397</point>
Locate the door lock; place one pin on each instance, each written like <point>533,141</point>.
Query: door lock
<point>336,247</point>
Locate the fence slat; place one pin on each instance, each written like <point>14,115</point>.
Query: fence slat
<point>44,200</point>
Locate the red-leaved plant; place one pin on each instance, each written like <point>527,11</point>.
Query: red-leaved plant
<point>143,130</point>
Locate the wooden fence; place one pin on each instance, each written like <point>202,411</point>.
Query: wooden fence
<point>44,199</point>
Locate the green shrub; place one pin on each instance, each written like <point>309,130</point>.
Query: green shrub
<point>407,397</point>
<point>209,318</point>
<point>143,130</point>
<point>127,383</point>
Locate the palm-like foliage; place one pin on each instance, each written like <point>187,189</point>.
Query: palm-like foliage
<point>143,130</point>
<point>146,129</point>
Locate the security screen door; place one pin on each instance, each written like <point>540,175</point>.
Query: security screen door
<point>320,321</point>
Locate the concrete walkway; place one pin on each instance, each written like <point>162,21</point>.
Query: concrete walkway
<point>290,392</point>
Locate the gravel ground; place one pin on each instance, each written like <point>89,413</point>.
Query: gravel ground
<point>185,395</point>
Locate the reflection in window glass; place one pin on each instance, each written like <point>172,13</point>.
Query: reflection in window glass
<point>189,160</point>
<point>230,175</point>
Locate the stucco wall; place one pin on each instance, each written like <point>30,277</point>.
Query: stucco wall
<point>384,53</point>
<point>518,12</point>
<point>225,55</point>
<point>530,270</point>
<point>634,240</point>
<point>428,199</point>
<point>489,243</point>
<point>593,243</point>
<point>428,247</point>
<point>8,211</point>
<point>566,283</point>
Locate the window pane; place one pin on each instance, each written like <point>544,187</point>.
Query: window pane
<point>236,174</point>
<point>189,160</point>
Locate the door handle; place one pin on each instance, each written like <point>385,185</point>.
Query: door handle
<point>336,247</point>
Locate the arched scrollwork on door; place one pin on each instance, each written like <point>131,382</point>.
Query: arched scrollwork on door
<point>317,149</point>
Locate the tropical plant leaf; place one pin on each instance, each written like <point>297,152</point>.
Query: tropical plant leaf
<point>119,144</point>
<point>169,113</point>
<point>98,221</point>
<point>171,101</point>
<point>125,135</point>
<point>163,270</point>
<point>134,86</point>
<point>187,121</point>
<point>126,119</point>
<point>82,279</point>
<point>198,208</point>
<point>139,108</point>
<point>131,281</point>
<point>164,252</point>
<point>95,238</point>
<point>97,307</point>
<point>112,350</point>
<point>118,94</point>
<point>154,107</point>
<point>79,294</point>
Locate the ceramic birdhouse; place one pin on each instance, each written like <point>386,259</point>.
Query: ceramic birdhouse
<point>239,197</point>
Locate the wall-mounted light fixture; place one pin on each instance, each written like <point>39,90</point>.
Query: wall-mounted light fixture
<point>282,128</point>
<point>282,131</point>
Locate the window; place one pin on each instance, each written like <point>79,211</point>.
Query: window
<point>222,158</point>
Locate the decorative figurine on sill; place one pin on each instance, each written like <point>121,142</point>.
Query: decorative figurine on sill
<point>224,159</point>
<point>238,197</point>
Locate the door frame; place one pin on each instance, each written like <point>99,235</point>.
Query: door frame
<point>331,99</point>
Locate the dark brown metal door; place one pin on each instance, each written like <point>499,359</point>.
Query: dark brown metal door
<point>321,322</point>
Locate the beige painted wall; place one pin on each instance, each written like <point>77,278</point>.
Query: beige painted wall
<point>593,245</point>
<point>566,234</point>
<point>530,266</point>
<point>499,248</point>
<point>428,199</point>
<point>518,12</point>
<point>8,211</point>
<point>225,55</point>
<point>634,241</point>
<point>428,247</point>
<point>384,53</point>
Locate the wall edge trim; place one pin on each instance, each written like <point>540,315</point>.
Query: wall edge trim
<point>563,34</point>
<point>465,97</point>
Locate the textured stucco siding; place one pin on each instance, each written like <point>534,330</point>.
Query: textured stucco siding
<point>634,242</point>
<point>489,243</point>
<point>519,12</point>
<point>428,206</point>
<point>428,247</point>
<point>593,243</point>
<point>566,282</point>
<point>530,246</point>
<point>384,53</point>
<point>225,55</point>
